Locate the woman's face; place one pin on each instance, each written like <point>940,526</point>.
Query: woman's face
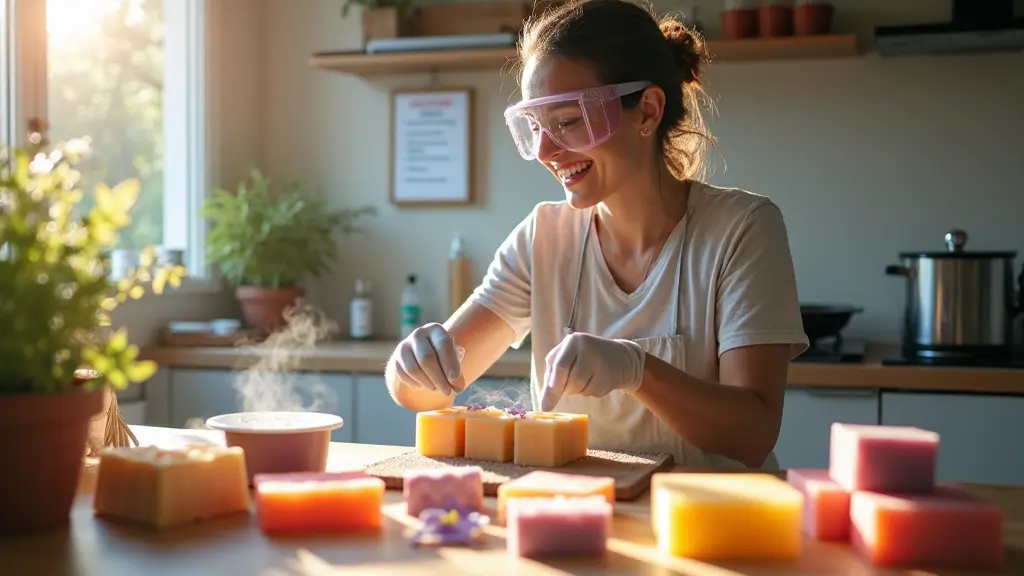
<point>596,174</point>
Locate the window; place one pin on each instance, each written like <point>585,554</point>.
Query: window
<point>130,76</point>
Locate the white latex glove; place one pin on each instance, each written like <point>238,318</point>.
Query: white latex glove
<point>428,358</point>
<point>590,365</point>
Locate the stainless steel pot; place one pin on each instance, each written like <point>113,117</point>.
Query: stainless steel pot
<point>959,303</point>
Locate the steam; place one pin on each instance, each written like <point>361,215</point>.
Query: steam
<point>274,382</point>
<point>508,393</point>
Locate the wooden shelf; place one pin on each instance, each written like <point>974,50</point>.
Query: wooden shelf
<point>497,59</point>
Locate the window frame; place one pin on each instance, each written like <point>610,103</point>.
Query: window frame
<point>188,133</point>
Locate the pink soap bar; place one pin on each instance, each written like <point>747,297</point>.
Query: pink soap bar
<point>459,486</point>
<point>883,458</point>
<point>947,529</point>
<point>826,504</point>
<point>546,527</point>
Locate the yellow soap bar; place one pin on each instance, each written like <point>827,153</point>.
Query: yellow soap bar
<point>726,516</point>
<point>441,433</point>
<point>550,439</point>
<point>166,488</point>
<point>490,435</point>
<point>544,484</point>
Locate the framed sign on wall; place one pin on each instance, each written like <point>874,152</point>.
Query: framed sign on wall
<point>431,147</point>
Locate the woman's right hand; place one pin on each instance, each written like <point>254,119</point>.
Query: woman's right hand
<point>428,359</point>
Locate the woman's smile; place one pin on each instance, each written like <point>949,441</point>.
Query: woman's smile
<point>572,173</point>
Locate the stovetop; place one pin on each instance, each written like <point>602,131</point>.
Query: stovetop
<point>836,350</point>
<point>1015,361</point>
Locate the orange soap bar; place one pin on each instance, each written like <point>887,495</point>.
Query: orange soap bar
<point>441,433</point>
<point>543,484</point>
<point>949,528</point>
<point>309,502</point>
<point>826,504</point>
<point>490,435</point>
<point>550,439</point>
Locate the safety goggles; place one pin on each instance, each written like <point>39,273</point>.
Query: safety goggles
<point>574,121</point>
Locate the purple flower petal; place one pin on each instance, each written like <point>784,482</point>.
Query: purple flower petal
<point>516,410</point>
<point>476,406</point>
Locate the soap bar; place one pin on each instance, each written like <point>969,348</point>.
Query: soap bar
<point>883,458</point>
<point>550,484</point>
<point>949,528</point>
<point>310,502</point>
<point>550,439</point>
<point>445,488</point>
<point>826,504</point>
<point>726,516</point>
<point>490,435</point>
<point>441,433</point>
<point>165,488</point>
<point>546,527</point>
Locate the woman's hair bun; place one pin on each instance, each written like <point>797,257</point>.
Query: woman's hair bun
<point>687,47</point>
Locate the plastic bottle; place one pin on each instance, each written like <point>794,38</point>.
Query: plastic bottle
<point>459,283</point>
<point>360,312</point>
<point>410,306</point>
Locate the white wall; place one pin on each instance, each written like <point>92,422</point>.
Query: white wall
<point>867,157</point>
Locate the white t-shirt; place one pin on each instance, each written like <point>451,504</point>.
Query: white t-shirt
<point>737,288</point>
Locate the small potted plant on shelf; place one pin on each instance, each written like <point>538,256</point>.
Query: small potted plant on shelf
<point>384,18</point>
<point>59,360</point>
<point>265,241</point>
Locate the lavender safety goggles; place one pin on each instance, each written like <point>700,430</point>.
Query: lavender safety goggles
<point>574,121</point>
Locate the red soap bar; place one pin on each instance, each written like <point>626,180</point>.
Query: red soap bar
<point>826,504</point>
<point>883,458</point>
<point>947,529</point>
<point>318,502</point>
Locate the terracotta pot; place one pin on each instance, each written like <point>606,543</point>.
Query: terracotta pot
<point>775,20</point>
<point>812,18</point>
<point>384,23</point>
<point>740,23</point>
<point>279,442</point>
<point>45,439</point>
<point>263,308</point>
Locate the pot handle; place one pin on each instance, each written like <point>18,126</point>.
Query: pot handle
<point>896,270</point>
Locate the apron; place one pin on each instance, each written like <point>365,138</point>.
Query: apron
<point>619,421</point>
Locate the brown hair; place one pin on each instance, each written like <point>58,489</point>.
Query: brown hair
<point>624,42</point>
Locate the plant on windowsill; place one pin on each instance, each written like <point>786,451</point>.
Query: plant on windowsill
<point>383,18</point>
<point>265,241</point>
<point>59,360</point>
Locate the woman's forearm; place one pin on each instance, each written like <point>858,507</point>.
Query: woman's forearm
<point>726,420</point>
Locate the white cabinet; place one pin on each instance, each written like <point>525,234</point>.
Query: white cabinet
<point>379,419</point>
<point>807,420</point>
<point>199,394</point>
<point>979,434</point>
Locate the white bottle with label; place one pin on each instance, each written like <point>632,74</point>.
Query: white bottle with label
<point>410,306</point>
<point>360,312</point>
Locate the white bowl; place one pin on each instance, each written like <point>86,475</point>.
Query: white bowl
<point>273,422</point>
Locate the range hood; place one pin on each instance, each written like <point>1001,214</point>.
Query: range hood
<point>977,26</point>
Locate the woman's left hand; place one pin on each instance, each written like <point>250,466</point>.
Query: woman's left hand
<point>590,365</point>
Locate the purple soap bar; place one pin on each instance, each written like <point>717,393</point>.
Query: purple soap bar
<point>883,458</point>
<point>544,527</point>
<point>446,488</point>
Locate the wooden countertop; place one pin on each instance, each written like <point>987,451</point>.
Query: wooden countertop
<point>235,546</point>
<point>370,357</point>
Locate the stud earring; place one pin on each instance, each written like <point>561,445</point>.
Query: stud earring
<point>646,131</point>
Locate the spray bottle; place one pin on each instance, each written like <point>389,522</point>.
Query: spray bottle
<point>459,287</point>
<point>410,306</point>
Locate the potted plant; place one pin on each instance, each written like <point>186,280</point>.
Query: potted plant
<point>265,241</point>
<point>58,356</point>
<point>384,18</point>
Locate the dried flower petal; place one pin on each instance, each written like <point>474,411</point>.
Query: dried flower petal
<point>475,406</point>
<point>449,526</point>
<point>516,410</point>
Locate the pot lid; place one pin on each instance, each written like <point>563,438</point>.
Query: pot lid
<point>955,242</point>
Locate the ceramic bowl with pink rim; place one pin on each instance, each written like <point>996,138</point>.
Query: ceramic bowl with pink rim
<point>279,442</point>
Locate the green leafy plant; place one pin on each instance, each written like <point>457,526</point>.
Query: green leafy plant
<point>271,238</point>
<point>55,290</point>
<point>406,8</point>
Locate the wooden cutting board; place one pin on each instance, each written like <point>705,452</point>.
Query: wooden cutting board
<point>632,471</point>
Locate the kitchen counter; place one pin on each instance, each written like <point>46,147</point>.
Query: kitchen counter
<point>234,545</point>
<point>370,357</point>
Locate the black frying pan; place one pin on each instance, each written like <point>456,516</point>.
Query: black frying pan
<point>826,320</point>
